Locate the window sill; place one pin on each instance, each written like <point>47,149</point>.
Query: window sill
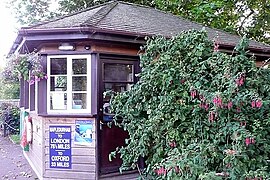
<point>73,115</point>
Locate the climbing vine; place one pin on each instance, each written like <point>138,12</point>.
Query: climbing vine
<point>196,113</point>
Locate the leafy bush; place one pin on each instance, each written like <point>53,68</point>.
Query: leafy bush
<point>197,113</point>
<point>10,115</point>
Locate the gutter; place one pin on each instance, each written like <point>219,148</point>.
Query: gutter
<point>90,29</point>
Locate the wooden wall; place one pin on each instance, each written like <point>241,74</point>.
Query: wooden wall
<point>36,150</point>
<point>83,158</point>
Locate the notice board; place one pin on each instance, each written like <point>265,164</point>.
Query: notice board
<point>60,147</point>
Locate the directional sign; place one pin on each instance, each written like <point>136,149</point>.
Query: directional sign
<point>60,147</point>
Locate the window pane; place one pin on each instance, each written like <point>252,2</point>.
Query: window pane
<point>115,87</point>
<point>58,101</point>
<point>58,66</point>
<point>118,72</point>
<point>79,66</point>
<point>79,101</point>
<point>79,83</point>
<point>58,83</point>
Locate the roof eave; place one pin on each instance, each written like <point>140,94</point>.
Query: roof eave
<point>83,30</point>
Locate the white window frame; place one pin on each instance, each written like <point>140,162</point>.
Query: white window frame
<point>69,109</point>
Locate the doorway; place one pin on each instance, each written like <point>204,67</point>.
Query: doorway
<point>116,74</point>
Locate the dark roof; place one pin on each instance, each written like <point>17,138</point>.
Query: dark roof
<point>132,19</point>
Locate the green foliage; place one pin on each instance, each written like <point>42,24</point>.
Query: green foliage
<point>27,11</point>
<point>15,138</point>
<point>196,113</point>
<point>9,90</point>
<point>10,115</point>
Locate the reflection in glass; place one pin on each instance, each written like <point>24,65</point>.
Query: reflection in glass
<point>79,83</point>
<point>58,100</point>
<point>79,101</point>
<point>118,72</point>
<point>79,66</point>
<point>58,66</point>
<point>58,83</point>
<point>115,87</point>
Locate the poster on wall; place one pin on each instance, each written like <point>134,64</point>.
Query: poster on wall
<point>83,132</point>
<point>60,147</point>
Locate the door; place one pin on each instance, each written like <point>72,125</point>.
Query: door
<point>117,76</point>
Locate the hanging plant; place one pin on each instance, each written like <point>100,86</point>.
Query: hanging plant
<point>27,66</point>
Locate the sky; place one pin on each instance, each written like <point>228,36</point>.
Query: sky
<point>8,31</point>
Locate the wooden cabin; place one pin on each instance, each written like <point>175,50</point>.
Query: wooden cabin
<point>85,54</point>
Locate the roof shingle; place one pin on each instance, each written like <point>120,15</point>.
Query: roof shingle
<point>138,20</point>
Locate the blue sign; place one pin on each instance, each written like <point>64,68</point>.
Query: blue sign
<point>60,147</point>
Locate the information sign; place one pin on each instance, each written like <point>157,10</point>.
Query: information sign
<point>60,146</point>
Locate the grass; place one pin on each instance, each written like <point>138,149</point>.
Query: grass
<point>15,138</point>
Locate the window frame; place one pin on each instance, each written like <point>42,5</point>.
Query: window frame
<point>69,91</point>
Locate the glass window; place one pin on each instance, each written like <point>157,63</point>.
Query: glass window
<point>118,72</point>
<point>79,83</point>
<point>58,66</point>
<point>68,83</point>
<point>79,66</point>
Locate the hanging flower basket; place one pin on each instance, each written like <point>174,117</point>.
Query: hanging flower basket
<point>27,66</point>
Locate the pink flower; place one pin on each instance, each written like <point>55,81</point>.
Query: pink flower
<point>206,107</point>
<point>244,123</point>
<point>182,81</point>
<point>212,116</point>
<point>252,140</point>
<point>46,76</point>
<point>161,171</point>
<point>176,168</point>
<point>37,78</point>
<point>229,105</point>
<point>253,104</point>
<point>193,93</point>
<point>240,81</point>
<point>217,101</point>
<point>247,141</point>
<point>31,82</point>
<point>258,104</point>
<point>172,144</point>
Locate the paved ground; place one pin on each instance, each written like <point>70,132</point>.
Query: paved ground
<point>13,165</point>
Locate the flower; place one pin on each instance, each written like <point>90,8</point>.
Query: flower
<point>247,141</point>
<point>229,105</point>
<point>258,104</point>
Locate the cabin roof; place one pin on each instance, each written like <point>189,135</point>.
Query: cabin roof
<point>118,17</point>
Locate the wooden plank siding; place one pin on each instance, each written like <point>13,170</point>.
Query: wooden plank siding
<point>36,151</point>
<point>83,157</point>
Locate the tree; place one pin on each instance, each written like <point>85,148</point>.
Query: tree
<point>248,17</point>
<point>196,113</point>
<point>9,85</point>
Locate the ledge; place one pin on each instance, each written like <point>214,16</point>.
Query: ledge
<point>68,115</point>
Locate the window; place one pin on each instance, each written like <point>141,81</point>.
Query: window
<point>69,87</point>
<point>117,76</point>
